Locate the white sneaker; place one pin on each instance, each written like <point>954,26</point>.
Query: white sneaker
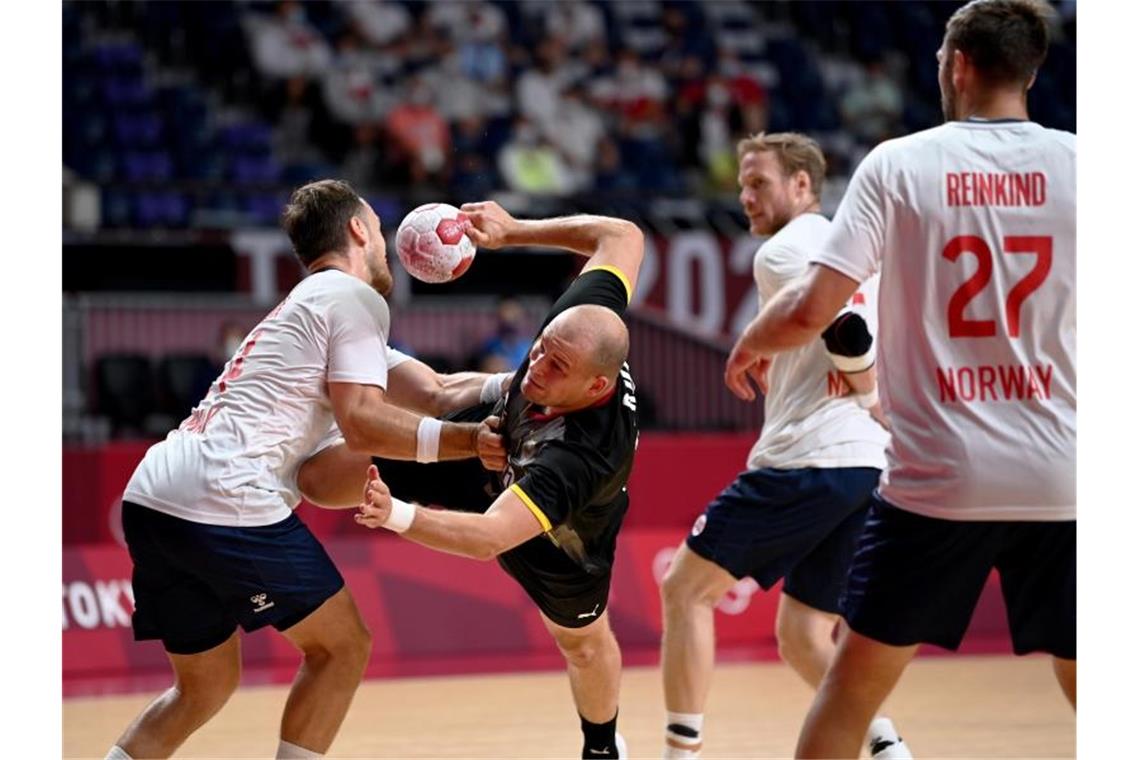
<point>885,743</point>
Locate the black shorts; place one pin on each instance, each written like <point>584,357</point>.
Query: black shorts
<point>195,583</point>
<point>799,525</point>
<point>917,579</point>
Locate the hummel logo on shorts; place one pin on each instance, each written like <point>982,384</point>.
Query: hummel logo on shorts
<point>259,600</point>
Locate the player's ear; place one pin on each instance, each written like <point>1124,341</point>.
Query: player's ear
<point>803,181</point>
<point>358,230</point>
<point>958,67</point>
<point>597,386</point>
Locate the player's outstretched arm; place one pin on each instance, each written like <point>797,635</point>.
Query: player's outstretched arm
<point>415,386</point>
<point>608,242</point>
<point>795,316</point>
<point>371,425</point>
<point>504,526</point>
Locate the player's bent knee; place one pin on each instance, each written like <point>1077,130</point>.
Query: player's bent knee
<point>579,652</point>
<point>681,589</point>
<point>355,647</point>
<point>205,696</point>
<point>799,637</point>
<point>350,648</point>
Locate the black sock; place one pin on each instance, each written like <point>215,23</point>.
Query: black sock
<point>599,739</point>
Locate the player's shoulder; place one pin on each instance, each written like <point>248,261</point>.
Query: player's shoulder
<point>1066,141</point>
<point>801,235</point>
<point>327,290</point>
<point>890,150</point>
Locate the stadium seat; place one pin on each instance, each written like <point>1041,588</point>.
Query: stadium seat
<point>124,390</point>
<point>183,380</point>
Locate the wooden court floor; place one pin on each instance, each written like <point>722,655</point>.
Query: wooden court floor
<point>944,707</point>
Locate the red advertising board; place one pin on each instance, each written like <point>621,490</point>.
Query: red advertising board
<point>428,613</point>
<point>674,476</point>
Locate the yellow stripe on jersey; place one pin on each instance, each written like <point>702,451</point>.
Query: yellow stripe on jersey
<point>543,520</point>
<point>616,273</point>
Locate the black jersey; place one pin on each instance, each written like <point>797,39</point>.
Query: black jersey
<point>571,470</point>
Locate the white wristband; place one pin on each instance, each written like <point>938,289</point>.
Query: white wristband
<point>853,364</point>
<point>427,440</point>
<point>869,399</point>
<point>493,387</point>
<point>401,516</point>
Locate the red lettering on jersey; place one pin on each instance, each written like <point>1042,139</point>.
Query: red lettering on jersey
<point>946,385</point>
<point>196,422</point>
<point>858,299</point>
<point>995,189</point>
<point>967,390</point>
<point>952,184</point>
<point>985,189</point>
<point>1001,383</point>
<point>1038,189</point>
<point>1012,381</point>
<point>1046,376</point>
<point>987,376</point>
<point>1034,388</point>
<point>1001,194</point>
<point>836,386</point>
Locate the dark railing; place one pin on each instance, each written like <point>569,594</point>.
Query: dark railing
<point>680,379</point>
<point>679,376</point>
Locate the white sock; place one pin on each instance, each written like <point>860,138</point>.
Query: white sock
<point>683,735</point>
<point>884,741</point>
<point>117,753</point>
<point>287,751</point>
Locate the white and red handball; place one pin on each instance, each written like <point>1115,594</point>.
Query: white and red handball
<point>432,243</point>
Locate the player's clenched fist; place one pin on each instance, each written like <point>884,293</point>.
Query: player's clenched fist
<point>377,506</point>
<point>489,445</point>
<point>489,225</point>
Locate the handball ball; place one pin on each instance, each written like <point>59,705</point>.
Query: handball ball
<point>432,243</point>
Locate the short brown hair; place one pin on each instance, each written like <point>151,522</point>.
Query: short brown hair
<point>1005,40</point>
<point>316,218</point>
<point>794,151</point>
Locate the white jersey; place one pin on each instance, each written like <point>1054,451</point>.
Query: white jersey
<point>810,420</point>
<point>234,460</point>
<point>973,225</point>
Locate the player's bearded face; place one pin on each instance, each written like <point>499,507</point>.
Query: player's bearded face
<point>376,260</point>
<point>766,195</point>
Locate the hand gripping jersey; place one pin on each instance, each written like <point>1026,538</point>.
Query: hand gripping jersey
<point>571,470</point>
<point>973,226</point>
<point>810,420</point>
<point>234,460</point>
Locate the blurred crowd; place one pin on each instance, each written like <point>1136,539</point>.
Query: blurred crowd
<point>554,99</point>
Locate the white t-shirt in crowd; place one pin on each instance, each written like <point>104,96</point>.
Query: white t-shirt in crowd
<point>810,420</point>
<point>973,227</point>
<point>234,460</point>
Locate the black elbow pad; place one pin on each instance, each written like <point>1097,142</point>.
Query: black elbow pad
<point>849,343</point>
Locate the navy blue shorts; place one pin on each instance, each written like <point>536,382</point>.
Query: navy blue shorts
<point>195,583</point>
<point>917,579</point>
<point>799,525</point>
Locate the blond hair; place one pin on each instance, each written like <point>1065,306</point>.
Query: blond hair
<point>795,152</point>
